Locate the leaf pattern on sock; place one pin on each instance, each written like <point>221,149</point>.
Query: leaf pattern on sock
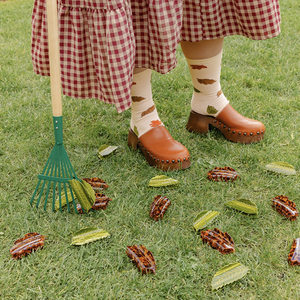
<point>133,83</point>
<point>206,81</point>
<point>137,98</point>
<point>211,110</point>
<point>148,111</point>
<point>197,91</point>
<point>198,67</point>
<point>155,123</point>
<point>219,93</point>
<point>135,130</point>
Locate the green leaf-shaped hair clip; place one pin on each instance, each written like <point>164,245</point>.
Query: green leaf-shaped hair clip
<point>162,180</point>
<point>84,193</point>
<point>228,274</point>
<point>105,150</point>
<point>243,205</point>
<point>204,218</point>
<point>281,167</point>
<point>88,235</point>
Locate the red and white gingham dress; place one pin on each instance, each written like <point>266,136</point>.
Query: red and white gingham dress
<point>101,41</point>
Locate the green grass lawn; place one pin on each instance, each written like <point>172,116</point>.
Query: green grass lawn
<point>261,80</point>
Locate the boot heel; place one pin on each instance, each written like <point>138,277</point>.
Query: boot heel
<point>198,123</point>
<point>132,140</point>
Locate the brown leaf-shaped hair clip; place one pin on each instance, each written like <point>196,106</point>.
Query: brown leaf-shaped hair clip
<point>294,255</point>
<point>100,203</point>
<point>222,174</point>
<point>219,240</point>
<point>142,258</point>
<point>158,207</point>
<point>285,207</point>
<point>30,242</point>
<point>96,183</point>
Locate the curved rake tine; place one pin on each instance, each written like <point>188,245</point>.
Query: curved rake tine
<point>67,199</point>
<point>64,175</point>
<point>53,196</point>
<point>64,184</point>
<point>48,189</point>
<point>47,194</point>
<point>70,167</point>
<point>44,183</point>
<point>37,187</point>
<point>39,182</point>
<point>54,188</point>
<point>68,171</point>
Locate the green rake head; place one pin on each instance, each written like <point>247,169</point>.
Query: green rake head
<point>54,183</point>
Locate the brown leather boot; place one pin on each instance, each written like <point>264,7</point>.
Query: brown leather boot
<point>160,149</point>
<point>233,125</point>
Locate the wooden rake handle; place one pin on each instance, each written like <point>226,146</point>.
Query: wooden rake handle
<point>53,42</point>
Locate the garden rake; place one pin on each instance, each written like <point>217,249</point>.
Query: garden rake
<point>58,169</point>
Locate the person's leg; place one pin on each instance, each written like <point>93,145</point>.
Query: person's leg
<point>204,61</point>
<point>203,49</point>
<point>144,115</point>
<point>209,104</point>
<point>148,132</point>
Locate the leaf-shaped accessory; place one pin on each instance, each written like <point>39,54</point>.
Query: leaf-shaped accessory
<point>204,218</point>
<point>100,203</point>
<point>228,274</point>
<point>219,240</point>
<point>243,205</point>
<point>142,258</point>
<point>158,207</point>
<point>285,207</point>
<point>88,235</point>
<point>105,150</point>
<point>222,174</point>
<point>294,255</point>
<point>84,193</point>
<point>30,242</point>
<point>281,167</point>
<point>162,180</point>
<point>96,183</point>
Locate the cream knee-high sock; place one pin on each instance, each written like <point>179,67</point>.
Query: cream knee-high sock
<point>208,98</point>
<point>144,115</point>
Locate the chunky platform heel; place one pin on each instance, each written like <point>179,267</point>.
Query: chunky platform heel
<point>198,123</point>
<point>132,140</point>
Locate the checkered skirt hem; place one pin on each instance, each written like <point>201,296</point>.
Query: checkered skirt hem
<point>102,41</point>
